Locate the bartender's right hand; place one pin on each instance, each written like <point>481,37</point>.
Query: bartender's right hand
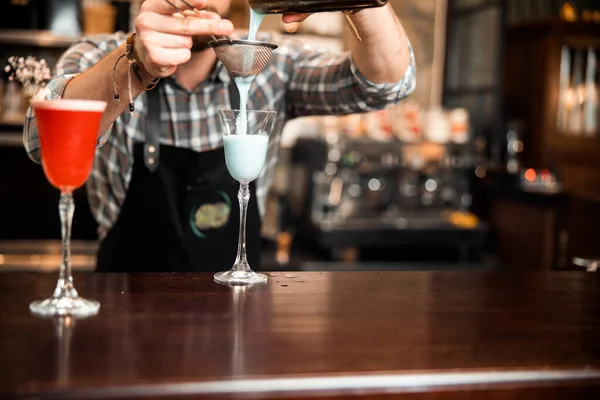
<point>164,37</point>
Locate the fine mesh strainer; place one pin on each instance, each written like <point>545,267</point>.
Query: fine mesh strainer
<point>242,58</point>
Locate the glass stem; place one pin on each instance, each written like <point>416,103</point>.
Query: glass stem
<point>66,208</point>
<point>241,263</point>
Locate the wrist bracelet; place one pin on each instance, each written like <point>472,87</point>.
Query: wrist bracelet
<point>114,79</point>
<point>116,96</point>
<point>144,77</point>
<point>134,66</point>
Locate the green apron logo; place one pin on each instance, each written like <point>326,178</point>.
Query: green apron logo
<point>208,218</point>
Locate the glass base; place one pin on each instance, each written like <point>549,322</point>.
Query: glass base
<point>234,277</point>
<point>74,306</point>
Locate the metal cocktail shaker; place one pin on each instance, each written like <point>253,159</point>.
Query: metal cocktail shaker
<point>311,6</point>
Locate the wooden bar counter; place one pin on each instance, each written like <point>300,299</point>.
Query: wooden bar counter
<point>409,335</point>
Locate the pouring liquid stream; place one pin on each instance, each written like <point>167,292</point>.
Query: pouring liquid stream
<point>256,20</point>
<point>243,84</point>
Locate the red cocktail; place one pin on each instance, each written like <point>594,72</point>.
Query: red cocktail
<point>68,132</point>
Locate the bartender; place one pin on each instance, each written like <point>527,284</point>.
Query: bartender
<point>159,188</point>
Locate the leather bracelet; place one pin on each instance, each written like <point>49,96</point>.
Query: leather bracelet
<point>117,97</point>
<point>137,69</point>
<point>148,82</point>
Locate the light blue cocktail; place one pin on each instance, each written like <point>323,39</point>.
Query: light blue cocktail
<point>246,140</point>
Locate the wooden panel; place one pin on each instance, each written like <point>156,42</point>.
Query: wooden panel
<point>524,87</point>
<point>526,235</point>
<point>575,158</point>
<point>584,227</point>
<point>579,178</point>
<point>531,73</point>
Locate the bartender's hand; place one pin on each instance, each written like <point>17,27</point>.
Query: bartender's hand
<point>292,18</point>
<point>164,37</point>
<point>291,21</point>
<point>383,53</point>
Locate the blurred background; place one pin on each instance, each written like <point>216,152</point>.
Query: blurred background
<point>493,163</point>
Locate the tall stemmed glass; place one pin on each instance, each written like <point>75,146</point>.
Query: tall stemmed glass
<point>246,139</point>
<point>68,132</point>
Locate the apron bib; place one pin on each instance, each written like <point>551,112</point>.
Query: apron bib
<point>181,212</point>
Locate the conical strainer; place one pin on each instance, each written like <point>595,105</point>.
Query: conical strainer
<point>242,58</point>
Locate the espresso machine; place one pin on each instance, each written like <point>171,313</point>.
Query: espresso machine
<point>357,185</point>
<point>360,193</point>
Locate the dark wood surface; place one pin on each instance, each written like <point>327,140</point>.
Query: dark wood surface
<point>527,234</point>
<point>358,334</point>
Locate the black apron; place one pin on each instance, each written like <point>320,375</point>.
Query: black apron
<point>181,211</point>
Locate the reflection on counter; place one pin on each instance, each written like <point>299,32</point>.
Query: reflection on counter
<point>45,255</point>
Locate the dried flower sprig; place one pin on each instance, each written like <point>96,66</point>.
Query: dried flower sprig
<point>31,73</point>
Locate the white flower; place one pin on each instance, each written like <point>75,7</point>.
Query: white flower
<point>31,73</point>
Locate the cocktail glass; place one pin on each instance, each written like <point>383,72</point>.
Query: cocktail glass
<point>246,139</point>
<point>68,131</point>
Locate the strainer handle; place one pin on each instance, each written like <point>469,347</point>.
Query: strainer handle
<point>216,39</point>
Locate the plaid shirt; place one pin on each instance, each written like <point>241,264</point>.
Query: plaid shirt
<point>297,82</point>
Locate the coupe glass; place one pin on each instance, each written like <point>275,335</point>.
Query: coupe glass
<point>68,131</point>
<point>246,139</point>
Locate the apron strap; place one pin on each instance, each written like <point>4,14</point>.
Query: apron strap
<point>153,128</point>
<point>152,148</point>
<point>234,95</point>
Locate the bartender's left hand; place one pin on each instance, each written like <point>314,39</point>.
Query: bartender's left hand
<point>383,53</point>
<point>291,21</point>
<point>291,18</point>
